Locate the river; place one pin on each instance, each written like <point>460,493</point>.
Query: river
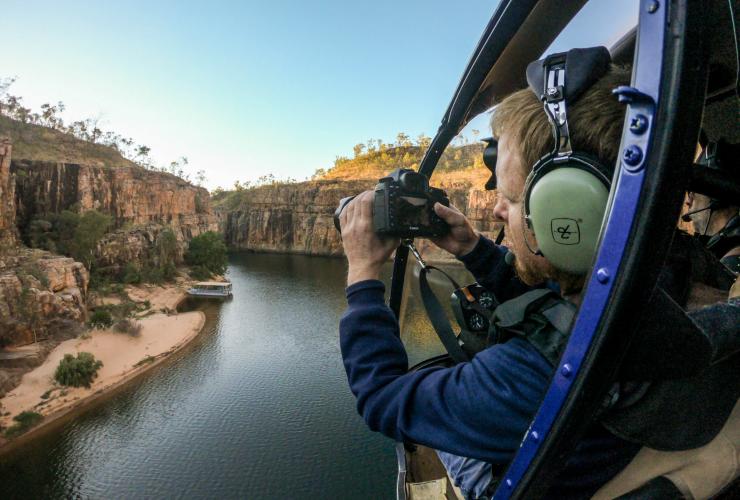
<point>258,406</point>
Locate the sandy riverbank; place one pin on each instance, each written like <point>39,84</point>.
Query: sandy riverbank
<point>123,357</point>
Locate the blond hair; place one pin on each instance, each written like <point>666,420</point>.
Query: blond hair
<point>594,121</point>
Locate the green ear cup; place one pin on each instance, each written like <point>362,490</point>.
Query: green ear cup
<point>566,210</point>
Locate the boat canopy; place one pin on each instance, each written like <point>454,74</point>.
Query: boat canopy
<point>212,284</point>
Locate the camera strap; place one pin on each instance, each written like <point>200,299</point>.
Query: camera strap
<point>434,310</point>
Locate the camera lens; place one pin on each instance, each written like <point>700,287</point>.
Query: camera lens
<point>413,182</point>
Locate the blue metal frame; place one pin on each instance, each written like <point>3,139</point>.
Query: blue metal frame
<point>637,147</point>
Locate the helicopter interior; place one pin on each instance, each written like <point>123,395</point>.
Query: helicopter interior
<point>685,72</point>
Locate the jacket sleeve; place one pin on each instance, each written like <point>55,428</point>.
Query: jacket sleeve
<point>479,409</point>
<point>486,263</point>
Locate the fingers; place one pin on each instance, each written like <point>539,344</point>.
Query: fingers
<point>366,204</point>
<point>450,215</point>
<point>358,211</point>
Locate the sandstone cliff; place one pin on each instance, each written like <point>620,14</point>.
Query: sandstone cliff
<point>132,195</point>
<point>298,218</point>
<point>39,294</point>
<point>7,197</point>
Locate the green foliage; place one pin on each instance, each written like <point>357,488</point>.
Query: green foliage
<point>207,254</point>
<point>131,274</point>
<point>24,421</point>
<point>101,318</point>
<point>69,233</point>
<point>91,227</point>
<point>77,371</point>
<point>200,273</point>
<point>200,207</point>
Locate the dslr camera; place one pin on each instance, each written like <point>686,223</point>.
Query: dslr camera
<point>404,206</point>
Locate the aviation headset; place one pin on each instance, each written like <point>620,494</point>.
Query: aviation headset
<point>566,192</point>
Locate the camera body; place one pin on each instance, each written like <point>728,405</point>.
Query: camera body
<point>404,206</point>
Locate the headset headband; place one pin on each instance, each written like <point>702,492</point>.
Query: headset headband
<point>547,79</point>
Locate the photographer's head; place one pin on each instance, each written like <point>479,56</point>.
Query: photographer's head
<point>525,135</point>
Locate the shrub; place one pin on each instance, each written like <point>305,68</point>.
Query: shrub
<point>152,274</point>
<point>101,318</point>
<point>131,274</point>
<point>200,273</point>
<point>77,371</point>
<point>208,251</point>
<point>24,421</point>
<point>128,326</point>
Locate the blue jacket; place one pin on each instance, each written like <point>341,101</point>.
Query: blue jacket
<point>479,409</point>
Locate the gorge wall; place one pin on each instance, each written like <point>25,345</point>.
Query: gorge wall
<point>7,196</point>
<point>41,294</point>
<point>298,218</point>
<point>138,200</point>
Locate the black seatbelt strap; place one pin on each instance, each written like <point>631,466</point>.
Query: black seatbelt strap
<point>434,309</point>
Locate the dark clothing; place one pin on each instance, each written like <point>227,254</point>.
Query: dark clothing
<point>479,409</point>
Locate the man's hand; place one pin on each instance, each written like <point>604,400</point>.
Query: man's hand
<point>462,238</point>
<point>366,252</point>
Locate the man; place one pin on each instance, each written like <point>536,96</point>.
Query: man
<point>716,222</point>
<point>480,409</point>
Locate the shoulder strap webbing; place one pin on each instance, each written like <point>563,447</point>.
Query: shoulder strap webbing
<point>438,317</point>
<point>513,311</point>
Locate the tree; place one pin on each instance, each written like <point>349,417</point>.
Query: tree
<point>358,149</point>
<point>423,141</point>
<point>319,173</point>
<point>402,140</point>
<point>200,177</point>
<point>90,229</point>
<point>207,254</point>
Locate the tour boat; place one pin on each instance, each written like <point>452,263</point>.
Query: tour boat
<point>211,289</point>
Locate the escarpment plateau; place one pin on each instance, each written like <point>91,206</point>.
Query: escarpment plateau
<point>298,218</point>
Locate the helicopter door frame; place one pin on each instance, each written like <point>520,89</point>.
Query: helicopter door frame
<point>667,88</point>
<point>668,85</point>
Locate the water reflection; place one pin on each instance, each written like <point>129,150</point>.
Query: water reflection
<point>257,407</point>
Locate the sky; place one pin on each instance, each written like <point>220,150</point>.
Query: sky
<point>246,88</point>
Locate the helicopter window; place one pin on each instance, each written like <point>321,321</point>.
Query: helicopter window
<point>417,332</point>
<point>614,19</point>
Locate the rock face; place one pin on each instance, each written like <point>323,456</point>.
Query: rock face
<point>298,218</point>
<point>7,197</point>
<point>292,218</point>
<point>139,245</point>
<point>130,194</point>
<point>142,203</point>
<point>41,295</point>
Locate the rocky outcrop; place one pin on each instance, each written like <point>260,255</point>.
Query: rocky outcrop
<point>141,245</point>
<point>7,197</point>
<point>41,295</point>
<point>298,218</point>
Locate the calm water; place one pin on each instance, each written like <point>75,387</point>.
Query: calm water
<point>258,407</point>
